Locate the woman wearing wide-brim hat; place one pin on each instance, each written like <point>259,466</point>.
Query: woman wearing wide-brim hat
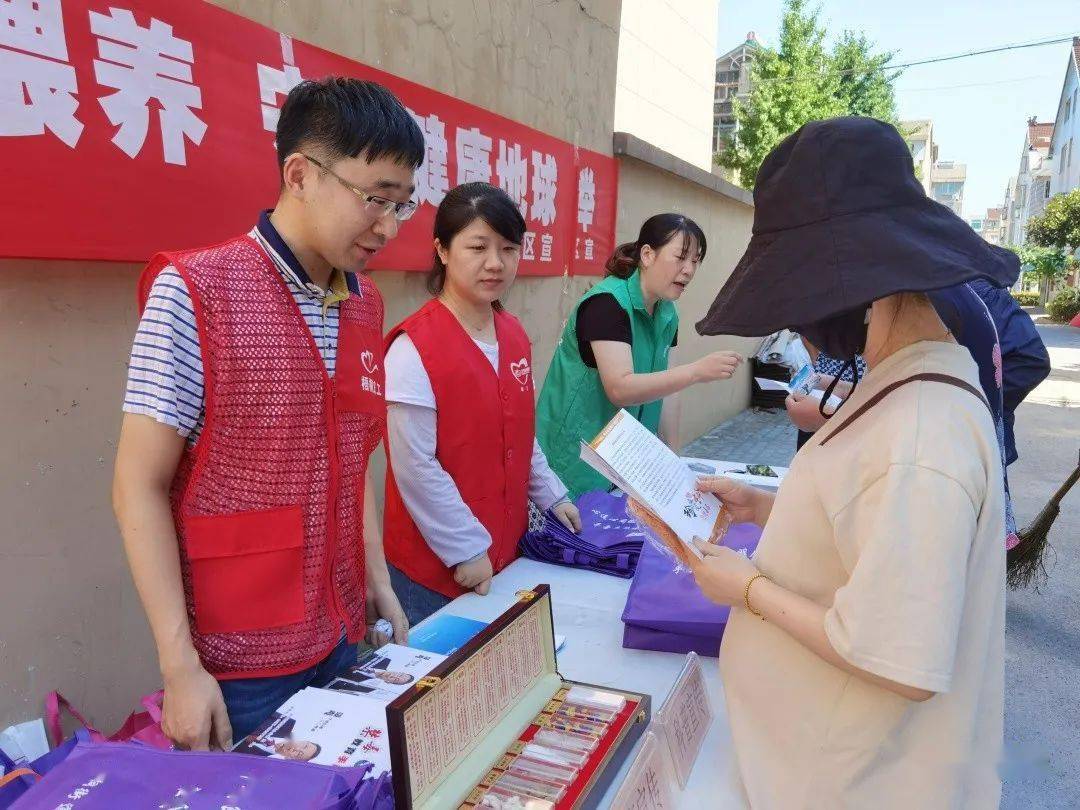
<point>863,662</point>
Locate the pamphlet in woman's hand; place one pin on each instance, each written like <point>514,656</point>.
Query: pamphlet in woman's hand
<point>635,460</point>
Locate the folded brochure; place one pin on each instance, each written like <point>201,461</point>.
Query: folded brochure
<point>387,672</point>
<point>444,633</point>
<point>343,724</point>
<point>635,460</point>
<point>324,727</point>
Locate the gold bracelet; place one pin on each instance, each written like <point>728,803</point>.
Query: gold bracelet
<point>746,595</point>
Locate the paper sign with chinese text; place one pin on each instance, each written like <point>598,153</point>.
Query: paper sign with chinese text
<point>649,784</point>
<point>686,716</point>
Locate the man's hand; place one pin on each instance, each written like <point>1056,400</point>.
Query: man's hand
<point>382,603</point>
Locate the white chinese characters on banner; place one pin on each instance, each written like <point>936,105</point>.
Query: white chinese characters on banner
<point>528,249</point>
<point>473,150</point>
<point>34,26</point>
<point>31,37</point>
<point>544,179</point>
<point>547,242</point>
<point>143,64</point>
<point>274,82</point>
<point>136,93</point>
<point>586,200</point>
<point>432,180</point>
<point>512,169</point>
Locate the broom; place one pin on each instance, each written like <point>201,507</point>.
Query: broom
<point>1024,561</point>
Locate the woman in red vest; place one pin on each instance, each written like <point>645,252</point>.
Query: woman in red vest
<point>464,462</point>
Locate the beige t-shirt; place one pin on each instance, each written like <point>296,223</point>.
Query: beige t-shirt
<point>897,527</point>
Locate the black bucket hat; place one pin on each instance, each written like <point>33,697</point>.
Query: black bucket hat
<point>840,221</point>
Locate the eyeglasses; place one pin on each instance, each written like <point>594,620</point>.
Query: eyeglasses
<point>374,205</point>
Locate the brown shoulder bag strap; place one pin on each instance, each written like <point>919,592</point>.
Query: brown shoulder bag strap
<point>888,389</point>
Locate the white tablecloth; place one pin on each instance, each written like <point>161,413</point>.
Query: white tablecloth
<point>587,607</point>
<point>736,471</point>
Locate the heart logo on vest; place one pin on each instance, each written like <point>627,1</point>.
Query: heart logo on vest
<point>521,370</point>
<point>368,359</point>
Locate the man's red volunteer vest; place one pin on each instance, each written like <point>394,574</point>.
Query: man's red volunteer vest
<point>269,501</point>
<point>484,439</point>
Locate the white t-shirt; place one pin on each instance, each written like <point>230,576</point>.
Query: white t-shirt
<point>407,380</point>
<point>429,493</point>
<point>895,526</point>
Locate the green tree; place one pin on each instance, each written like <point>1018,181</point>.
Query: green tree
<point>1045,262</point>
<point>866,88</point>
<point>801,81</point>
<point>789,86</point>
<point>1059,224</point>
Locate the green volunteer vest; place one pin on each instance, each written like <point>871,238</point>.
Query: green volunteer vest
<point>573,406</point>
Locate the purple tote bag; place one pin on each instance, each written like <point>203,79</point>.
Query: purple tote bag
<point>665,609</point>
<point>106,776</point>
<point>609,543</point>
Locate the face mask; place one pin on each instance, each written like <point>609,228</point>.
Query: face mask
<point>842,336</point>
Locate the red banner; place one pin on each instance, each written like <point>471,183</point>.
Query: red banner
<point>131,127</point>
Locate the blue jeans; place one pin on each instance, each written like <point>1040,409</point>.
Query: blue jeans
<point>417,601</point>
<point>251,700</point>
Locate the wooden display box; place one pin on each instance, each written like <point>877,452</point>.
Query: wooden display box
<point>467,720</point>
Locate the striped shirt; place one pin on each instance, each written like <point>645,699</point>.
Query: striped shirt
<point>165,375</point>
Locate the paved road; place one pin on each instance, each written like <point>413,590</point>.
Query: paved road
<point>1042,664</point>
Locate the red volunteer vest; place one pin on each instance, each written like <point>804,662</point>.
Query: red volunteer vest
<point>484,439</point>
<point>269,501</point>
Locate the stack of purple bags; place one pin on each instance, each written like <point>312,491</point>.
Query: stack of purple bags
<point>610,540</point>
<point>91,775</point>
<point>666,610</point>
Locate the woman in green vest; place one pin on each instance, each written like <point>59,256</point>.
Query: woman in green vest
<point>613,352</point>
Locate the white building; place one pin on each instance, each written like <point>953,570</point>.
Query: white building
<point>989,227</point>
<point>732,82</point>
<point>1032,186</point>
<point>1067,128</point>
<point>920,140</point>
<point>664,84</point>
<point>947,182</point>
<point>1006,212</point>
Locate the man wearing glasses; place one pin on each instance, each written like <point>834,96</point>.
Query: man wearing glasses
<point>254,399</point>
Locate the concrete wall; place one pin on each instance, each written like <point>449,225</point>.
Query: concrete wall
<point>651,182</point>
<point>666,81</point>
<point>72,620</point>
<point>549,65</point>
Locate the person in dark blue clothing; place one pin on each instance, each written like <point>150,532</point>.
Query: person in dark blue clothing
<point>1024,359</point>
<point>967,316</point>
